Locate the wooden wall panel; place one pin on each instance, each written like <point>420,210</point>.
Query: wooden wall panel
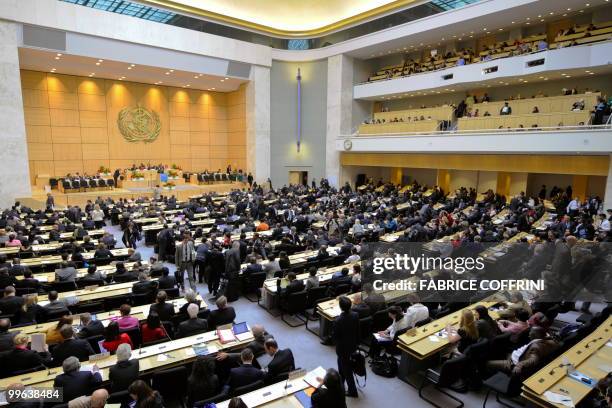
<point>71,125</point>
<point>66,134</point>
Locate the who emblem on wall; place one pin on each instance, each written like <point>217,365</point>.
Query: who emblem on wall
<point>139,124</point>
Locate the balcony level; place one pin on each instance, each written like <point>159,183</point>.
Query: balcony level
<point>595,56</point>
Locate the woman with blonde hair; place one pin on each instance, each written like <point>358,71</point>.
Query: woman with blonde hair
<point>31,311</point>
<point>467,334</point>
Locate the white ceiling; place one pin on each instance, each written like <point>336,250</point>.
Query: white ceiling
<point>47,61</point>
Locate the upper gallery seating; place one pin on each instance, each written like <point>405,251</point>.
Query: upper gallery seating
<point>535,43</point>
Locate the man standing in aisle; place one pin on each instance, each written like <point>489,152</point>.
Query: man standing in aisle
<point>184,258</point>
<point>346,335</point>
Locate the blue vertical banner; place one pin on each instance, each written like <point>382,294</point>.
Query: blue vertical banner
<point>299,109</point>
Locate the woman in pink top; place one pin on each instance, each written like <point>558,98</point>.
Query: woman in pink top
<point>13,241</point>
<point>125,321</point>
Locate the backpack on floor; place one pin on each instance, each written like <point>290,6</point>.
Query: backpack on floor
<point>385,366</point>
<point>358,361</point>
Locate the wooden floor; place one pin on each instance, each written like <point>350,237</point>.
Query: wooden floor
<point>182,192</point>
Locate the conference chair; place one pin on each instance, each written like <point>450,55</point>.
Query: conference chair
<point>171,384</point>
<point>63,286</point>
<point>203,314</point>
<point>381,320</point>
<point>115,302</point>
<point>94,342</point>
<point>502,384</point>
<point>248,388</point>
<point>53,183</point>
<point>500,346</point>
<point>214,399</point>
<point>66,185</point>
<point>314,315</point>
<point>172,293</point>
<point>295,305</point>
<point>121,397</point>
<point>83,283</point>
<point>140,299</point>
<point>449,372</point>
<point>93,308</point>
<point>252,285</point>
<point>110,183</point>
<point>135,336</point>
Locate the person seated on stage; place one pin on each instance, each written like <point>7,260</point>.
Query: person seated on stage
<point>152,329</point>
<point>79,348</point>
<point>89,327</point>
<point>526,359</point>
<point>53,335</point>
<point>192,298</point>
<point>223,315</point>
<point>144,286</point>
<point>163,309</point>
<point>202,383</point>
<point>125,372</point>
<point>125,321</point>
<point>245,374</point>
<point>113,338</point>
<point>55,306</point>
<point>282,360</point>
<point>76,383</point>
<point>331,392</point>
<point>21,358</point>
<point>193,325</point>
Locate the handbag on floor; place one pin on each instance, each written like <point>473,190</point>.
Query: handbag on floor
<point>385,366</point>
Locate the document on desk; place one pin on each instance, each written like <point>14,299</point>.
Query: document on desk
<point>311,377</point>
<point>37,342</point>
<point>244,336</point>
<point>556,398</point>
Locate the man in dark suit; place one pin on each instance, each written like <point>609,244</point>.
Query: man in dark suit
<point>360,307</point>
<point>341,279</point>
<point>6,337</point>
<point>126,371</point>
<point>252,267</point>
<point>166,281</point>
<point>244,375</point>
<point>144,286</point>
<point>223,315</point>
<point>77,383</point>
<point>193,325</point>
<point>79,348</point>
<point>294,285</point>
<point>523,361</point>
<point>55,307</point>
<point>282,360</point>
<point>28,281</point>
<point>163,309</point>
<point>90,327</point>
<point>66,273</point>
<point>346,335</point>
<point>376,301</point>
<point>10,304</point>
<point>17,269</point>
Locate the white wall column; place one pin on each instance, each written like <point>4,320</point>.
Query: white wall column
<point>608,196</point>
<point>15,175</point>
<point>258,123</point>
<point>339,111</point>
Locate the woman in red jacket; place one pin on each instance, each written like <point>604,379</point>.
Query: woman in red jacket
<point>112,337</point>
<point>152,330</point>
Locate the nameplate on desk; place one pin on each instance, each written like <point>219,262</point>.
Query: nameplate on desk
<point>91,287</point>
<point>266,394</point>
